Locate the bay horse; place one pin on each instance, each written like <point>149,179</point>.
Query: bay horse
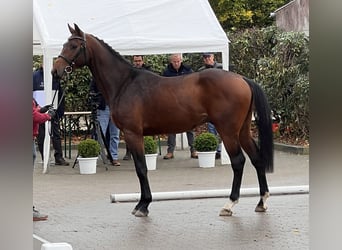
<point>143,103</point>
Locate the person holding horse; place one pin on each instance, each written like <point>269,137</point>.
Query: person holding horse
<point>38,90</point>
<point>209,62</point>
<point>138,62</point>
<point>39,116</point>
<point>103,117</point>
<point>177,68</point>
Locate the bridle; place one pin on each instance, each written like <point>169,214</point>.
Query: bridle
<point>68,69</point>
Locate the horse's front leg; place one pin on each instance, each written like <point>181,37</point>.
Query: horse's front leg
<point>136,146</point>
<point>141,209</point>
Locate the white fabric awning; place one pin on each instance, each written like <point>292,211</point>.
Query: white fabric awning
<point>131,26</point>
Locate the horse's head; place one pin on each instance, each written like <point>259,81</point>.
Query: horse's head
<point>73,55</point>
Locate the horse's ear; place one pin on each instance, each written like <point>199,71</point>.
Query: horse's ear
<point>72,31</point>
<point>78,30</point>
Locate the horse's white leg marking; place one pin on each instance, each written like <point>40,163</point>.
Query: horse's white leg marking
<point>261,207</point>
<point>227,208</point>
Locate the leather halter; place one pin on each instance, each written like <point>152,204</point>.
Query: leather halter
<point>68,69</point>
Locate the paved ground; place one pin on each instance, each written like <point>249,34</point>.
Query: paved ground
<point>80,211</point>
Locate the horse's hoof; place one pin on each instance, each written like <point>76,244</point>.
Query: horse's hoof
<point>140,214</point>
<point>134,211</point>
<point>260,209</point>
<point>226,212</point>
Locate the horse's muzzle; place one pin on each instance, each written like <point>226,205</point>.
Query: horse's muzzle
<point>55,74</point>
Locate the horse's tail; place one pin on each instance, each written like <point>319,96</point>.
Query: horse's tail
<point>263,120</point>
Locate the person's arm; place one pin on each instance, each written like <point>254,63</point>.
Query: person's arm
<point>39,117</point>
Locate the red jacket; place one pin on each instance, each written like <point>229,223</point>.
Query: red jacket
<point>38,118</point>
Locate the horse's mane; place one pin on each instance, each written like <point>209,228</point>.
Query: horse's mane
<point>112,51</point>
<point>134,71</point>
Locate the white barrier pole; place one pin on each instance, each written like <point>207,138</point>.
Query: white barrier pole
<point>215,193</point>
<point>56,246</point>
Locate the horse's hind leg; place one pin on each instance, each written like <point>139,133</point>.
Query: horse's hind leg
<point>250,147</point>
<point>238,161</point>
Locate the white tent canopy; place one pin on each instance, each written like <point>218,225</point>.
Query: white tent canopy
<point>128,26</point>
<point>131,26</point>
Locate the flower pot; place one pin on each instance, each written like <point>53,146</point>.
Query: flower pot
<point>87,165</point>
<point>151,161</point>
<point>206,159</point>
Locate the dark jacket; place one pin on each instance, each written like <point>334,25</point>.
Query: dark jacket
<point>146,67</point>
<point>216,65</point>
<point>38,84</point>
<point>96,96</point>
<point>171,71</point>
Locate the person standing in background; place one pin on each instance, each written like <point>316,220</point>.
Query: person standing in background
<point>138,62</point>
<point>105,121</point>
<point>209,62</point>
<point>177,68</point>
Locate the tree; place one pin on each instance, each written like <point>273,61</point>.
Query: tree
<point>241,14</point>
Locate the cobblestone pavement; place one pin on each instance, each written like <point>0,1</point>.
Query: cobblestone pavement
<point>80,211</point>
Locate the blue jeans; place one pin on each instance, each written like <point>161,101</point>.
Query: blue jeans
<point>103,116</point>
<point>212,129</point>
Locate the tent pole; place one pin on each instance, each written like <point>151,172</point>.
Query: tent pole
<point>225,58</point>
<point>47,65</point>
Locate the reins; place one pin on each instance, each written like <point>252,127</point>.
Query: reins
<point>59,103</point>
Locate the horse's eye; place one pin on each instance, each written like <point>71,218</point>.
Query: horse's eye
<point>73,46</point>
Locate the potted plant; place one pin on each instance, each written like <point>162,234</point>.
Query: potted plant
<point>88,151</point>
<point>206,145</point>
<point>150,146</point>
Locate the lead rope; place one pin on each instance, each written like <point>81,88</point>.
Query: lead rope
<point>56,118</point>
<point>49,122</point>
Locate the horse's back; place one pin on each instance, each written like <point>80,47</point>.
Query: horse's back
<point>222,77</point>
<point>229,86</point>
<point>210,87</point>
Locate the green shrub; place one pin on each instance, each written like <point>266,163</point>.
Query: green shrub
<point>279,62</point>
<point>206,142</point>
<point>150,145</point>
<point>89,148</point>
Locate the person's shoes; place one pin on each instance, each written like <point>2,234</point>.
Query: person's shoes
<point>217,155</point>
<point>61,162</point>
<point>168,156</point>
<point>127,157</point>
<point>38,216</point>
<point>194,155</point>
<point>116,163</point>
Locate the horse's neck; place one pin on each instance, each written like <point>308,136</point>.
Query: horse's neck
<point>108,71</point>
